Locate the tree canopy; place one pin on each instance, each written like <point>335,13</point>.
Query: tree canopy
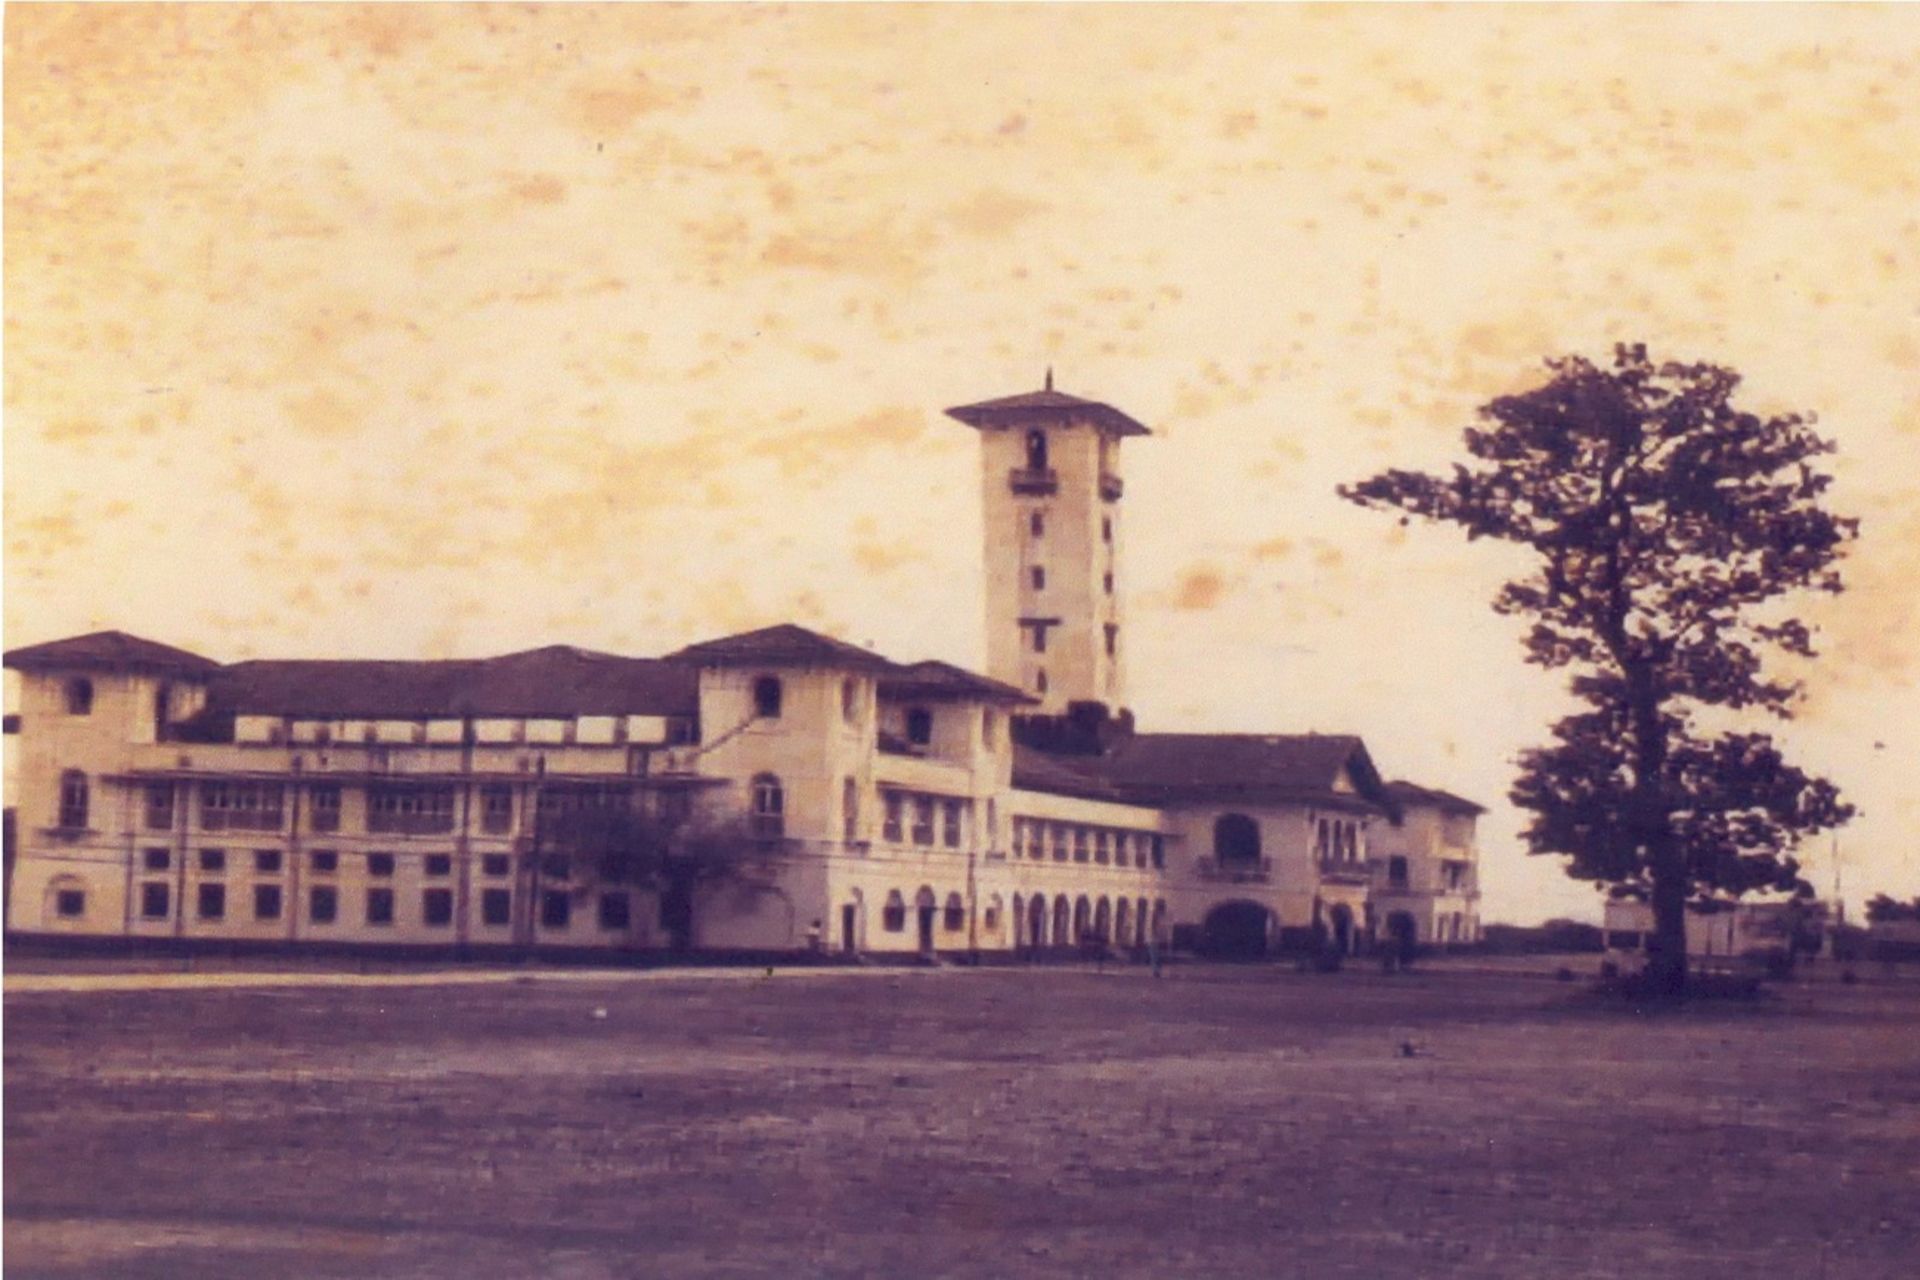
<point>1668,524</point>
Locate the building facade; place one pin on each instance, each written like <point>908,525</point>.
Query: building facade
<point>876,806</point>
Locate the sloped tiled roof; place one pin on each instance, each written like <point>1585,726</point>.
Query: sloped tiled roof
<point>555,681</point>
<point>934,678</point>
<point>1062,775</point>
<point>1284,767</point>
<point>1038,405</point>
<point>785,645</point>
<point>108,651</point>
<point>1409,794</point>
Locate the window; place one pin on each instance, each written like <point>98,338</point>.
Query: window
<point>1059,842</point>
<point>850,810</point>
<point>892,828</point>
<point>266,902</point>
<point>70,904</point>
<point>496,809</point>
<point>1079,844</point>
<point>1236,840</point>
<point>79,697</point>
<point>919,726</point>
<point>240,806</point>
<point>1113,639</point>
<point>156,859</point>
<point>266,861</point>
<point>73,800</point>
<point>1040,681</point>
<point>1100,851</point>
<point>989,728</point>
<point>379,864</point>
<point>769,808</point>
<point>211,902</point>
<point>950,824</point>
<point>1036,451</point>
<point>923,819</point>
<point>213,860</point>
<point>1037,524</point>
<point>615,911</point>
<point>1038,576</point>
<point>1159,852</point>
<point>439,864</point>
<point>156,899</point>
<point>324,861</point>
<point>495,864</point>
<point>1106,528</point>
<point>1039,638</point>
<point>436,908</point>
<point>1119,848</point>
<point>380,906</point>
<point>766,698</point>
<point>410,809</point>
<point>496,906</point>
<point>1106,581</point>
<point>955,914</point>
<point>849,701</point>
<point>323,904</point>
<point>159,806</point>
<point>326,808</point>
<point>1019,838</point>
<point>556,910</point>
<point>1397,871</point>
<point>556,866</point>
<point>894,918</point>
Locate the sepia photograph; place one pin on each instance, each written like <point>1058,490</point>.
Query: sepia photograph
<point>968,639</point>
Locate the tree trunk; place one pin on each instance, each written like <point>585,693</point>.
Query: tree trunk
<point>1667,948</point>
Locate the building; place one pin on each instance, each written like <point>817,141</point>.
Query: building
<point>891,807</point>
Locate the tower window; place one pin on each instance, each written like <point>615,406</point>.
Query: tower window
<point>766,698</point>
<point>1037,524</point>
<point>1106,528</point>
<point>80,697</point>
<point>1036,451</point>
<point>1113,639</point>
<point>1039,682</point>
<point>1039,576</point>
<point>1039,639</point>
<point>1107,582</point>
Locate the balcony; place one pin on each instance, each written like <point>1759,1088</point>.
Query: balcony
<point>1111,488</point>
<point>240,820</point>
<point>1034,480</point>
<point>1235,872</point>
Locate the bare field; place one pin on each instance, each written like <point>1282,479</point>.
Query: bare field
<point>1050,1123</point>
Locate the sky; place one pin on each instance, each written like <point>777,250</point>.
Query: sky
<point>427,331</point>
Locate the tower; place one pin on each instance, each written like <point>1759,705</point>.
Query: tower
<point>1052,489</point>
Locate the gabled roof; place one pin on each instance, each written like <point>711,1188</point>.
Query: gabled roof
<point>936,679</point>
<point>1044,405</point>
<point>108,651</point>
<point>1408,796</point>
<point>785,645</point>
<point>1296,768</point>
<point>557,681</point>
<point>1060,775</point>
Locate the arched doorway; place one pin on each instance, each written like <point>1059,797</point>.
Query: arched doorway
<point>1122,923</point>
<point>1103,920</point>
<point>851,923</point>
<point>1019,922</point>
<point>1037,921</point>
<point>1403,935</point>
<point>1082,918</point>
<point>1340,918</point>
<point>1062,921</point>
<point>1236,931</point>
<point>926,908</point>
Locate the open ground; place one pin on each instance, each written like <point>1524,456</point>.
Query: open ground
<point>1244,1121</point>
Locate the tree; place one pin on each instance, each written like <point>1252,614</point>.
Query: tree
<point>1885,909</point>
<point>670,850</point>
<point>1667,525</point>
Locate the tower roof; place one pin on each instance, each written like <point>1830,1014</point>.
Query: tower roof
<point>1047,405</point>
<point>109,651</point>
<point>783,645</point>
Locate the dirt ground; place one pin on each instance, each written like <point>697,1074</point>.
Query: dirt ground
<point>957,1123</point>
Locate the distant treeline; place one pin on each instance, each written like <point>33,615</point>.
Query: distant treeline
<point>1554,935</point>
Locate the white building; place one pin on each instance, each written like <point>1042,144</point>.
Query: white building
<point>899,807</point>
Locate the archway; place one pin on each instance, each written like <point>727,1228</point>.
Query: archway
<point>1103,920</point>
<point>1037,921</point>
<point>1236,931</point>
<point>926,908</point>
<point>1019,922</point>
<point>1341,919</point>
<point>1122,923</point>
<point>1082,918</point>
<point>1403,935</point>
<point>1062,921</point>
<point>851,923</point>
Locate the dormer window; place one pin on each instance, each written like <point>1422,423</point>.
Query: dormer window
<point>920,726</point>
<point>766,698</point>
<point>1036,451</point>
<point>79,696</point>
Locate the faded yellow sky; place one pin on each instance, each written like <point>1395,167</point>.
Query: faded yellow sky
<point>422,331</point>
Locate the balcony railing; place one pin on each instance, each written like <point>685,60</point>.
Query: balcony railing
<point>1111,488</point>
<point>1034,480</point>
<point>1236,872</point>
<point>240,819</point>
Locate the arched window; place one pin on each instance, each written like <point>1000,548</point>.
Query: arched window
<point>919,726</point>
<point>1102,919</point>
<point>1123,923</point>
<point>955,918</point>
<point>73,800</point>
<point>1397,871</point>
<point>766,698</point>
<point>1082,917</point>
<point>1140,923</point>
<point>1037,922</point>
<point>1236,840</point>
<point>850,810</point>
<point>849,701</point>
<point>79,696</point>
<point>990,919</point>
<point>769,807</point>
<point>1036,451</point>
<point>894,918</point>
<point>1062,921</point>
